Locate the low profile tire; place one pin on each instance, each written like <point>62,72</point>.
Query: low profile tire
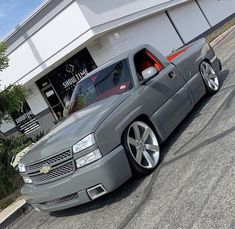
<point>142,148</point>
<point>210,78</point>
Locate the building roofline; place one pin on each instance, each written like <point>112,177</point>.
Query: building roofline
<point>26,20</point>
<point>50,8</point>
<point>39,18</point>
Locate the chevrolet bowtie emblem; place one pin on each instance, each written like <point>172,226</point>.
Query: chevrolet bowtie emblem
<point>45,169</point>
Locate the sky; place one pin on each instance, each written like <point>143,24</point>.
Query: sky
<point>13,12</point>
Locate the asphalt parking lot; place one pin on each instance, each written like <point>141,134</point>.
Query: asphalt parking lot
<point>194,187</point>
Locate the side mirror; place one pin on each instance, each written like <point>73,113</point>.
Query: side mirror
<point>149,73</point>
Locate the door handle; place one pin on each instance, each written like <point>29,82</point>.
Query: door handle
<point>172,75</point>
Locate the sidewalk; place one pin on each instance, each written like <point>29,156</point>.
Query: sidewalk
<point>13,212</point>
<point>220,38</point>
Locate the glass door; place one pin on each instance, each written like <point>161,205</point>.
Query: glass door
<point>53,100</point>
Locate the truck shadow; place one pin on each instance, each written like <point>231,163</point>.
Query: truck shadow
<point>119,194</point>
<point>131,185</point>
<point>223,76</point>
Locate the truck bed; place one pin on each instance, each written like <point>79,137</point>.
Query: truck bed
<point>177,53</point>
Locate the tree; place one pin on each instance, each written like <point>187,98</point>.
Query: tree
<point>13,96</point>
<point>3,58</point>
<point>11,99</point>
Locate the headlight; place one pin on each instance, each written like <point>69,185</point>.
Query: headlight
<point>27,180</point>
<point>22,168</point>
<point>86,142</point>
<point>89,158</point>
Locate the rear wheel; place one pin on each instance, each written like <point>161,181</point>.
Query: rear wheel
<point>210,77</point>
<point>142,147</point>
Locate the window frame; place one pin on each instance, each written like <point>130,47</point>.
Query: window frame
<point>157,63</point>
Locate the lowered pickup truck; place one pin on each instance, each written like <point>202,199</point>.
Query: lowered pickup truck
<point>118,117</point>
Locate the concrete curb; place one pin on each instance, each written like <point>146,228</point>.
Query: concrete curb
<point>219,39</point>
<point>13,212</point>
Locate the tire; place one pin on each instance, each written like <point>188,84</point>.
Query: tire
<point>209,77</point>
<point>142,148</point>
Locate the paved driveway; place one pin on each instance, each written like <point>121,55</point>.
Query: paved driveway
<point>194,187</point>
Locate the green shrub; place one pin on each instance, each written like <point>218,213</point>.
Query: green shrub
<point>38,136</point>
<point>9,147</point>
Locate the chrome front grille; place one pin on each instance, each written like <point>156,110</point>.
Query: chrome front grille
<point>60,166</point>
<point>49,161</point>
<point>55,173</point>
<point>68,198</point>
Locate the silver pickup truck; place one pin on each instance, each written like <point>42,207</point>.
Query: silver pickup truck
<point>118,117</point>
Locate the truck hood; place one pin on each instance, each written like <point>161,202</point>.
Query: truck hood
<point>77,126</point>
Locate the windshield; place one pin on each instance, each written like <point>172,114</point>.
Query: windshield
<point>110,81</point>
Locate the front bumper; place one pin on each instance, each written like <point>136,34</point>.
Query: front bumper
<point>111,171</point>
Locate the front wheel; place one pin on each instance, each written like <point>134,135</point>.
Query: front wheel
<point>142,148</point>
<point>210,78</point>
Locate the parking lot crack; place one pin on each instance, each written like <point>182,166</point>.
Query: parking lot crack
<point>143,200</point>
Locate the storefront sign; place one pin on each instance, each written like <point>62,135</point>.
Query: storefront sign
<point>25,120</point>
<point>69,82</point>
<point>75,76</point>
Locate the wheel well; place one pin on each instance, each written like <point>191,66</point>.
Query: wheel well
<point>144,118</point>
<point>206,60</point>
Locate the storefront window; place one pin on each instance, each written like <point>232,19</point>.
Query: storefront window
<point>58,85</point>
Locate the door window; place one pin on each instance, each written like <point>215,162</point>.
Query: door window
<point>145,59</point>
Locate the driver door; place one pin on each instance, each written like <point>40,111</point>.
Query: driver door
<point>166,94</point>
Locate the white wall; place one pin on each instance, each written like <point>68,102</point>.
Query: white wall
<point>156,31</point>
<point>103,11</point>
<point>45,47</point>
<point>6,126</point>
<point>217,10</point>
<point>189,20</point>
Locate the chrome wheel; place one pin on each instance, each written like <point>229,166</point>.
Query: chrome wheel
<point>209,75</point>
<point>143,145</point>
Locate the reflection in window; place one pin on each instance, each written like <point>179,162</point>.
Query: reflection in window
<point>112,80</point>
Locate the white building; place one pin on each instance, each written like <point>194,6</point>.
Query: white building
<point>64,39</point>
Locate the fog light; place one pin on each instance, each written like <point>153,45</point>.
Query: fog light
<point>27,180</point>
<point>89,158</point>
<point>96,191</point>
<point>22,168</point>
